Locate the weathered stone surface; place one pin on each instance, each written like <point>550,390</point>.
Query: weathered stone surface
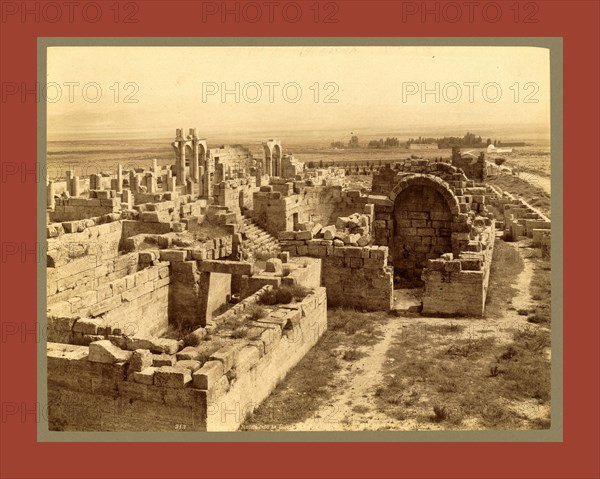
<point>140,360</point>
<point>189,352</point>
<point>274,265</point>
<point>188,364</point>
<point>207,376</point>
<point>106,352</point>
<point>226,355</point>
<point>159,360</point>
<point>145,376</point>
<point>172,377</point>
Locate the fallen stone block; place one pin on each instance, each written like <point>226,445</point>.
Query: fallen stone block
<point>274,265</point>
<point>173,255</point>
<point>145,376</point>
<point>166,346</point>
<point>227,355</point>
<point>106,352</point>
<point>188,353</point>
<point>172,377</point>
<point>140,360</point>
<point>190,364</point>
<point>208,375</point>
<point>86,326</point>
<point>159,360</point>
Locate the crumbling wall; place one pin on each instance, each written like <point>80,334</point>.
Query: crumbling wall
<point>70,209</point>
<point>458,286</point>
<point>473,168</point>
<point>136,303</point>
<point>82,256</point>
<point>154,385</point>
<point>354,276</point>
<point>276,212</point>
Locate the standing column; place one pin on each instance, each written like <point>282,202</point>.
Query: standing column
<point>194,160</point>
<point>207,187</point>
<point>75,187</point>
<point>119,178</point>
<point>50,195</point>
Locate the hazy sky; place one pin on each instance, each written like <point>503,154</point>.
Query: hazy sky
<point>378,91</point>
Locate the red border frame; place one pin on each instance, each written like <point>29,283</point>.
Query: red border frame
<point>22,457</point>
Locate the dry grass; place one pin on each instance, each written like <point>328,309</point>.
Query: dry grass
<point>506,266</point>
<point>541,293</point>
<point>311,383</point>
<point>533,194</point>
<point>465,381</point>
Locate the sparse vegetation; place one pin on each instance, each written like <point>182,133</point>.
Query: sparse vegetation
<point>440,413</point>
<point>531,193</point>
<point>255,312</point>
<point>284,295</point>
<point>507,264</point>
<point>191,340</point>
<point>541,293</point>
<point>308,386</point>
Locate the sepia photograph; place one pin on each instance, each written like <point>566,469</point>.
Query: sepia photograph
<point>299,237</point>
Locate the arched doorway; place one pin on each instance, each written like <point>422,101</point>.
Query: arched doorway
<point>423,214</point>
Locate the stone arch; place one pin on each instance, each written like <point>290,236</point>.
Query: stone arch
<point>272,157</point>
<point>424,211</point>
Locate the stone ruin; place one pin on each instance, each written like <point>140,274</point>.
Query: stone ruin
<point>156,279</point>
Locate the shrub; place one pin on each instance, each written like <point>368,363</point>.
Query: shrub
<point>277,296</point>
<point>239,333</point>
<point>440,413</point>
<point>509,353</point>
<point>284,295</point>
<point>191,339</point>
<point>351,355</point>
<point>255,311</point>
<point>494,414</point>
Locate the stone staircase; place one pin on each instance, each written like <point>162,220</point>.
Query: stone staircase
<point>257,244</point>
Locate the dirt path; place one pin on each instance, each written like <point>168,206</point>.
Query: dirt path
<point>353,407</point>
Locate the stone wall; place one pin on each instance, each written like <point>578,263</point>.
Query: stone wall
<point>70,209</point>
<point>274,211</point>
<point>473,168</point>
<point>136,303</point>
<point>155,385</point>
<point>354,276</point>
<point>237,195</point>
<point>458,286</point>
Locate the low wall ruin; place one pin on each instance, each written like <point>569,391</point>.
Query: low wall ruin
<point>146,385</point>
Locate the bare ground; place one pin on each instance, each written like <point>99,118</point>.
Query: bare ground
<point>408,368</point>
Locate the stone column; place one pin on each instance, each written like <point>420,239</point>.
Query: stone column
<point>194,160</point>
<point>151,182</point>
<point>135,183</point>
<point>50,195</point>
<point>201,173</point>
<point>75,186</point>
<point>127,199</point>
<point>119,178</point>
<point>207,186</point>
